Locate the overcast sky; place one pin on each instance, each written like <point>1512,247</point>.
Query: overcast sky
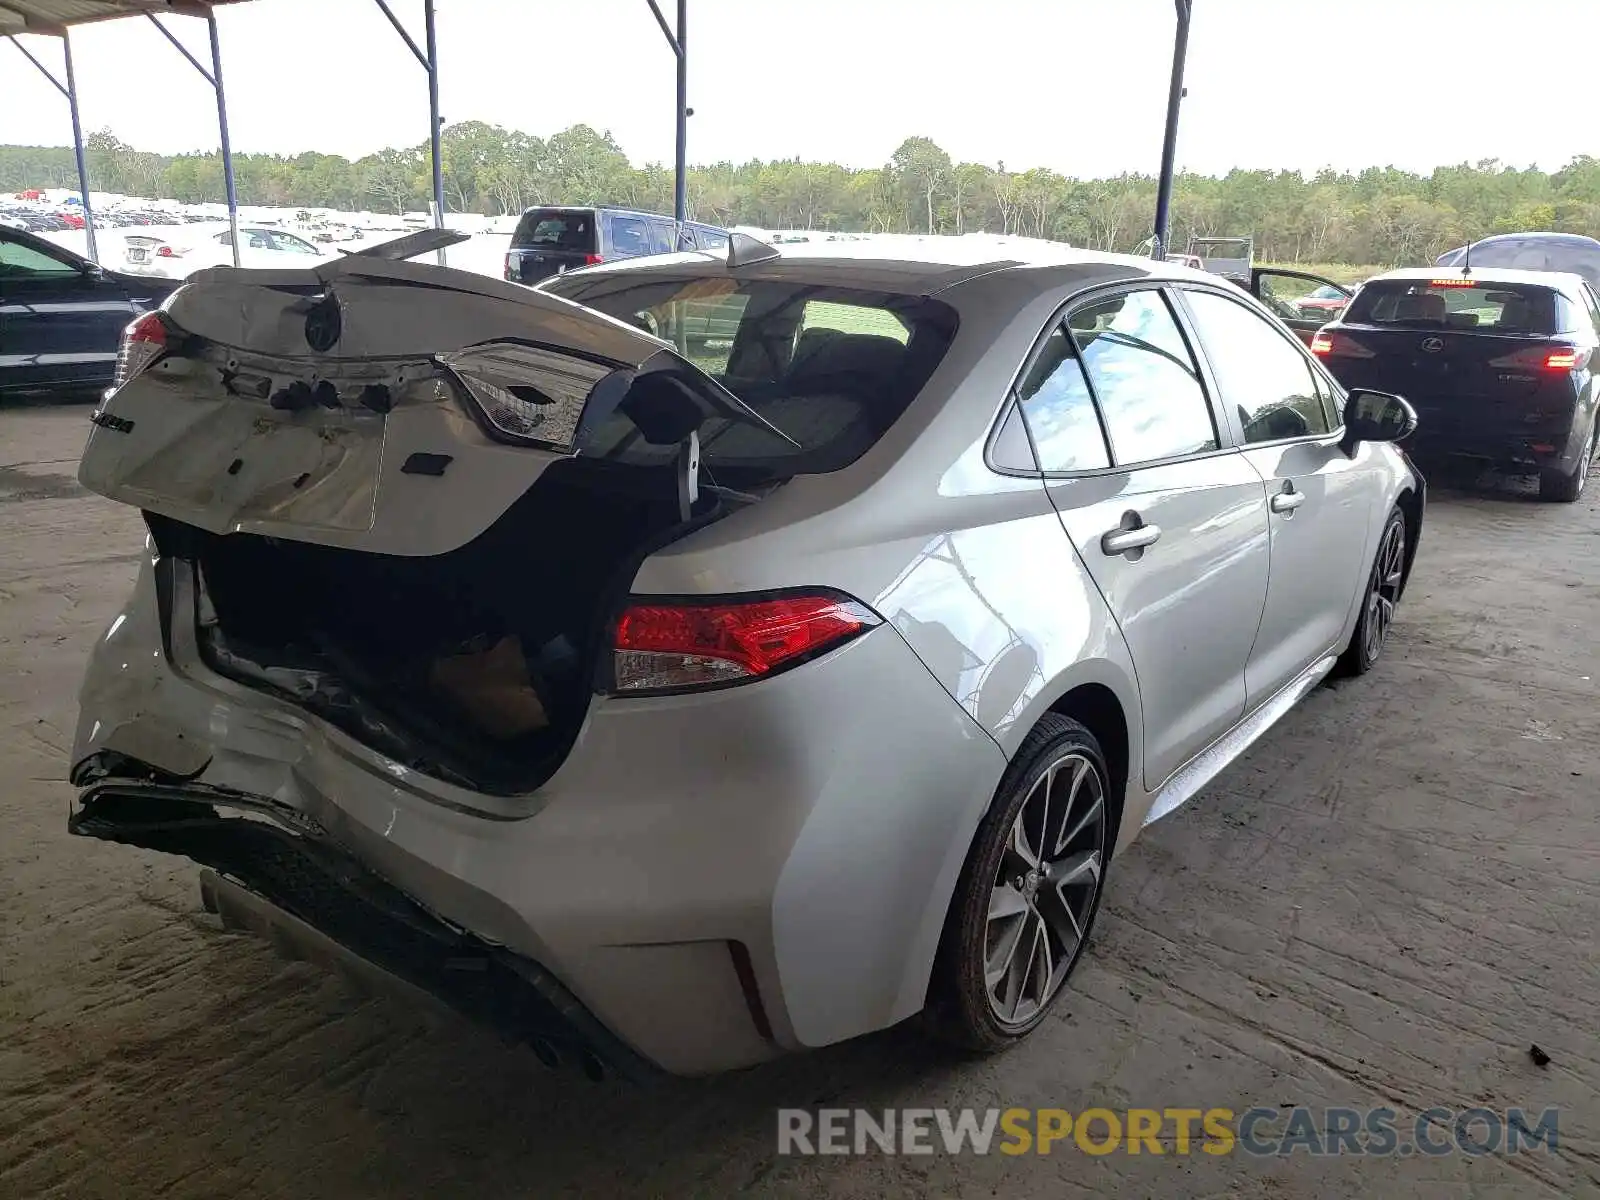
<point>1075,85</point>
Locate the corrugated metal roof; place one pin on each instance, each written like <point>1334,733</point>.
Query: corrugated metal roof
<point>52,16</point>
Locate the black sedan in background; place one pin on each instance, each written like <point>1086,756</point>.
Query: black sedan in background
<point>1499,364</point>
<point>61,317</point>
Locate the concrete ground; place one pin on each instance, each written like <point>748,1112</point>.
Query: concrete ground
<point>1385,903</point>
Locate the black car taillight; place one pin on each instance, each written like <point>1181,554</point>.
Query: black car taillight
<point>1331,344</point>
<point>1545,358</point>
<point>144,340</point>
<point>718,641</point>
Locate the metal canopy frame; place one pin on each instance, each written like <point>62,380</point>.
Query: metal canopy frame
<point>53,17</point>
<point>679,45</point>
<point>214,78</point>
<point>69,89</point>
<point>1169,143</point>
<point>430,64</point>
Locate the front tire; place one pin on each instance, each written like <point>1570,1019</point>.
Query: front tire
<point>1379,601</point>
<point>1029,893</point>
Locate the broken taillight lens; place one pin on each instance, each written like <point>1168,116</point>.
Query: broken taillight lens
<point>685,646</point>
<point>143,341</point>
<point>524,393</point>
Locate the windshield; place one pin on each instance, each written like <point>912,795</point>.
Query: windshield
<point>556,229</point>
<point>1484,306</point>
<point>833,368</point>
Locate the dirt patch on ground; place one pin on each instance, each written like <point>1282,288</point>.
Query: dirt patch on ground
<point>1385,903</point>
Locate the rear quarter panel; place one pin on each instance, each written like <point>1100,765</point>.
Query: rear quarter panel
<point>971,567</point>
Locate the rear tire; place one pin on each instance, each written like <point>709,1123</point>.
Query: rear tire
<point>1026,902</point>
<point>1564,487</point>
<point>1378,600</point>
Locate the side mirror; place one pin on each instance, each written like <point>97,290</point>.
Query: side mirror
<point>93,272</point>
<point>1376,417</point>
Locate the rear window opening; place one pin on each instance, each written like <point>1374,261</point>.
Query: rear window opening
<point>1484,307</point>
<point>556,229</point>
<point>833,368</point>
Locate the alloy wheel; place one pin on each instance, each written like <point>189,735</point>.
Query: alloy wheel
<point>1045,889</point>
<point>1387,575</point>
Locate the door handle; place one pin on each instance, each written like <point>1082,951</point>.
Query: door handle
<point>1120,541</point>
<point>1287,500</point>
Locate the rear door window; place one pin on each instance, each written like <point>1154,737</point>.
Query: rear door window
<point>1144,378</point>
<point>1593,304</point>
<point>711,239</point>
<point>1059,410</point>
<point>556,229</point>
<point>630,236</point>
<point>661,237</point>
<point>1481,305</point>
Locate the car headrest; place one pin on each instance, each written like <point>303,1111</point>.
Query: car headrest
<point>1420,306</point>
<point>829,352</point>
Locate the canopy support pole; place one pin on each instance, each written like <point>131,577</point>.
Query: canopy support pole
<point>69,89</point>
<point>214,78</point>
<point>430,64</point>
<point>679,45</point>
<point>1169,145</point>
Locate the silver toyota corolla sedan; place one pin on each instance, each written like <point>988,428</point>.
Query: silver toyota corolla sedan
<point>704,658</point>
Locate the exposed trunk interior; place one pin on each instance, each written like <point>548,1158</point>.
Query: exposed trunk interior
<point>475,666</point>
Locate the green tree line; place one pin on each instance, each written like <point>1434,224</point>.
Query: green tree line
<point>1376,216</point>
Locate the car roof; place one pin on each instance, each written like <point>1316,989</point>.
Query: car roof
<point>913,265</point>
<point>1567,239</point>
<point>596,208</point>
<point>1565,280</point>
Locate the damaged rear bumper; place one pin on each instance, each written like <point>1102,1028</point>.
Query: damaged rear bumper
<point>693,876</point>
<point>272,873</point>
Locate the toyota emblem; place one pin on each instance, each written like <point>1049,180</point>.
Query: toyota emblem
<point>1432,345</point>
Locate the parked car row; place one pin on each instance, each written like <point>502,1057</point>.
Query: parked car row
<point>178,253</point>
<point>35,219</point>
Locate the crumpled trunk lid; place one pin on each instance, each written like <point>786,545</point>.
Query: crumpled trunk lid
<point>386,406</point>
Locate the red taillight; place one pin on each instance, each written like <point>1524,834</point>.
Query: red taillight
<point>1544,358</point>
<point>143,341</point>
<point>590,260</point>
<point>671,647</point>
<point>1327,344</point>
